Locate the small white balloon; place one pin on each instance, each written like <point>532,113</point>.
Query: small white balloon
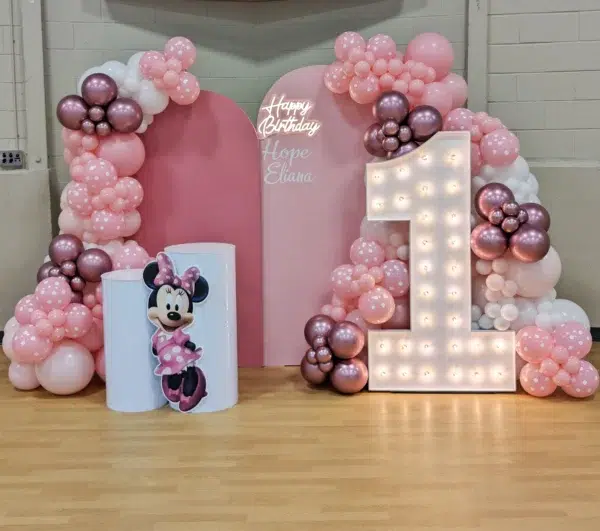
<point>495,282</point>
<point>403,252</point>
<point>475,326</point>
<point>500,266</point>
<point>501,324</point>
<point>492,310</point>
<point>544,320</point>
<point>483,267</point>
<point>477,183</point>
<point>506,300</point>
<point>486,323</point>
<point>509,312</point>
<point>510,288</point>
<point>151,100</point>
<point>476,313</point>
<point>545,307</point>
<point>492,296</point>
<point>116,70</point>
<point>131,86</point>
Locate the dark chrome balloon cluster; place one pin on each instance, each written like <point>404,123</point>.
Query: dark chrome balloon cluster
<point>398,130</point>
<point>333,354</point>
<point>522,228</point>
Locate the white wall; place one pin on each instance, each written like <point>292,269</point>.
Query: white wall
<point>544,75</point>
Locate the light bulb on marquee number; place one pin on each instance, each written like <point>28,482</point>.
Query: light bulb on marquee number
<point>450,356</point>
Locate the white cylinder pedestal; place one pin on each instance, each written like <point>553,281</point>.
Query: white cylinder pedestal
<point>215,323</point>
<point>131,386</point>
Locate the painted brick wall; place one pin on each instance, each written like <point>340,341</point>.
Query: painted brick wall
<point>544,82</point>
<point>243,47</point>
<point>12,102</point>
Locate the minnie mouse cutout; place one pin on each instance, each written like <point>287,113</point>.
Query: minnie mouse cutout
<point>170,309</point>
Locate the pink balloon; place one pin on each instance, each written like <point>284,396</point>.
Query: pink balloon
<point>22,376</point>
<point>72,139</point>
<point>368,253</point>
<point>458,120</point>
<point>362,69</point>
<point>25,308</point>
<point>382,47</point>
<point>336,79</point>
<point>561,378</point>
<point>458,89</point>
<point>400,320</point>
<point>346,42</point>
<point>58,334</point>
<point>38,315</point>
<point>99,174</point>
<point>68,370</point>
<point>100,364</point>
<point>170,79</point>
<point>68,156</point>
<point>376,306</point>
<point>584,383</point>
<point>29,347</point>
<point>125,151</point>
<point>70,223</point>
<point>94,339</point>
<point>10,329</point>
<point>78,199</point>
<point>366,90</point>
<point>535,383</point>
<point>89,142</point>
<point>57,317</point>
<point>187,91</point>
<point>549,368</point>
<point>97,312</point>
<point>534,344</point>
<point>396,278</point>
<point>44,328</point>
<point>439,96</point>
<point>78,321</point>
<point>53,293</point>
<point>572,365</point>
<point>416,88</point>
<point>355,317</point>
<point>500,148</point>
<point>434,50</point>
<point>342,282</point>
<point>108,224</point>
<point>133,222</point>
<point>574,337</point>
<point>476,159</point>
<point>130,256</point>
<point>559,354</point>
<point>174,65</point>
<point>419,71</point>
<point>386,82</point>
<point>181,49</point>
<point>132,190</point>
<point>152,64</point>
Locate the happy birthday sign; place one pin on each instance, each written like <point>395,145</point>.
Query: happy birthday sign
<point>283,116</point>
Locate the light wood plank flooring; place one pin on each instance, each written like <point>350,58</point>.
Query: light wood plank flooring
<point>292,458</point>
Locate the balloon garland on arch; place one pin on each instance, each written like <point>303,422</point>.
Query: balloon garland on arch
<point>55,339</point>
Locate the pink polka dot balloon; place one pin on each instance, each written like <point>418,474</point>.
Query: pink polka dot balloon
<point>25,308</point>
<point>535,383</point>
<point>355,317</point>
<point>382,46</point>
<point>336,79</point>
<point>534,344</point>
<point>574,337</point>
<point>107,224</point>
<point>78,321</point>
<point>459,120</point>
<point>130,256</point>
<point>396,278</point>
<point>78,199</point>
<point>434,50</point>
<point>181,49</point>
<point>347,42</point>
<point>187,91</point>
<point>365,90</point>
<point>376,306</point>
<point>367,253</point>
<point>99,174</point>
<point>153,64</point>
<point>500,148</point>
<point>29,346</point>
<point>584,383</point>
<point>343,283</point>
<point>53,294</point>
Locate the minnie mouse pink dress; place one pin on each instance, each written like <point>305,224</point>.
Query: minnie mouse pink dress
<point>173,356</point>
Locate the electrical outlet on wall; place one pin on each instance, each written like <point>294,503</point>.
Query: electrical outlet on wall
<point>12,160</point>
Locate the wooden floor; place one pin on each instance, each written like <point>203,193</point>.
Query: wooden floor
<point>291,458</point>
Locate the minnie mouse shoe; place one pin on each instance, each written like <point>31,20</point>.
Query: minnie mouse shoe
<point>171,386</point>
<point>193,388</point>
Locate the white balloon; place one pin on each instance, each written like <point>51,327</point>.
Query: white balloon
<point>501,324</point>
<point>486,323</point>
<point>131,86</point>
<point>527,314</point>
<point>142,128</point>
<point>544,320</point>
<point>476,313</point>
<point>133,66</point>
<point>538,278</point>
<point>151,100</point>
<point>570,311</point>
<point>116,70</point>
<point>89,71</point>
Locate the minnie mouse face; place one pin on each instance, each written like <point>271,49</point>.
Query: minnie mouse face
<point>170,306</point>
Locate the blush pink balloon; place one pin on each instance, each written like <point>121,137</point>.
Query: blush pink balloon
<point>152,64</point>
<point>458,89</point>
<point>68,370</point>
<point>572,365</point>
<point>53,293</point>
<point>346,42</point>
<point>382,46</point>
<point>68,156</point>
<point>584,383</point>
<point>174,65</point>
<point>187,90</point>
<point>134,193</point>
<point>534,344</point>
<point>476,159</point>
<point>367,253</point>
<point>29,346</point>
<point>94,339</point>
<point>561,378</point>
<point>355,317</point>
<point>396,278</point>
<point>559,354</point>
<point>10,329</point>
<point>70,223</point>
<point>100,364</point>
<point>386,82</point>
<point>376,306</point>
<point>500,148</point>
<point>458,120</point>
<point>336,79</point>
<point>432,49</point>
<point>342,282</point>
<point>400,320</point>
<point>99,174</point>
<point>549,368</point>
<point>107,224</point>
<point>97,312</point>
<point>124,150</point>
<point>25,308</point>
<point>44,328</point>
<point>72,139</point>
<point>439,96</point>
<point>78,199</point>
<point>130,256</point>
<point>78,321</point>
<point>133,222</point>
<point>181,49</point>
<point>362,69</point>
<point>170,79</point>
<point>366,90</point>
<point>57,317</point>
<point>38,315</point>
<point>574,337</point>
<point>535,383</point>
<point>22,376</point>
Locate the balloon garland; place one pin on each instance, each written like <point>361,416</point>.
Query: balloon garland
<point>55,338</point>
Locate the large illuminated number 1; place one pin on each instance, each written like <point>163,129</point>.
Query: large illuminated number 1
<point>431,187</point>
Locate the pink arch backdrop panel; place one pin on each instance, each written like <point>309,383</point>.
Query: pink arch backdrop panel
<point>202,183</point>
<point>313,203</point>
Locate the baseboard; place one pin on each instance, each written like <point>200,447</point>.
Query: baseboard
<point>595,333</point>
